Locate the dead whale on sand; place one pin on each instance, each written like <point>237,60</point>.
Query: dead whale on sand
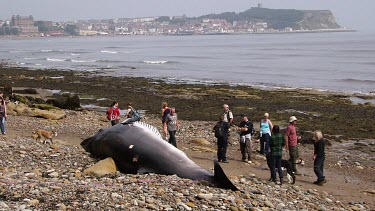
<point>139,148</point>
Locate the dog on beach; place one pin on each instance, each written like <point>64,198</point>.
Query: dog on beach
<point>287,168</point>
<point>38,134</point>
<point>286,164</point>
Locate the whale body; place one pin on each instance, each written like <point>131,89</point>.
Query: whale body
<point>139,148</point>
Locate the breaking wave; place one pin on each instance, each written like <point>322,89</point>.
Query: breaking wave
<point>55,60</point>
<point>83,61</point>
<point>113,52</point>
<point>155,62</point>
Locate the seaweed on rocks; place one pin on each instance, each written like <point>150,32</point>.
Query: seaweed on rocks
<point>327,112</point>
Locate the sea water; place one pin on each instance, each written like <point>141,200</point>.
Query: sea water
<point>343,62</point>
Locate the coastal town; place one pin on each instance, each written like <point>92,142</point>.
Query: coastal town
<point>28,26</point>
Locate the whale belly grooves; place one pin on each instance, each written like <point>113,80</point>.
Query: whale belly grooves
<point>139,148</point>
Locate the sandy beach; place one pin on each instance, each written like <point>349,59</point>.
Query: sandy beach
<point>348,128</point>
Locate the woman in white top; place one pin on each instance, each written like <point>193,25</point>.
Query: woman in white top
<point>265,134</point>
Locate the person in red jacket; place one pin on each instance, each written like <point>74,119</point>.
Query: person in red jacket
<point>113,113</point>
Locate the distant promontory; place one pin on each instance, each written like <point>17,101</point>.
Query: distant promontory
<point>282,18</point>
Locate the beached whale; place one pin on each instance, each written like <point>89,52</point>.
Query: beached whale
<point>139,148</point>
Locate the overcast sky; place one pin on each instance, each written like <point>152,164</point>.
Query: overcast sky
<point>357,14</point>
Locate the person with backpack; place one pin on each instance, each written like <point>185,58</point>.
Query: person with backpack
<point>131,115</point>
<point>228,115</point>
<point>246,129</point>
<point>165,110</point>
<point>113,113</point>
<point>221,133</point>
<point>171,126</point>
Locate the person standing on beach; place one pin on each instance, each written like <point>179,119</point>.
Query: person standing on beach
<point>221,133</point>
<point>171,126</point>
<point>113,113</point>
<point>246,130</point>
<point>319,157</point>
<point>265,134</point>
<point>276,146</point>
<point>228,115</point>
<point>3,114</point>
<point>165,110</point>
<point>291,142</point>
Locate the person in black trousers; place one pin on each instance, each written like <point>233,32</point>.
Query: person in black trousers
<point>319,157</point>
<point>222,139</point>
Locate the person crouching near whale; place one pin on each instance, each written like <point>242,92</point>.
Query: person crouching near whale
<point>319,157</point>
<point>170,127</point>
<point>276,145</point>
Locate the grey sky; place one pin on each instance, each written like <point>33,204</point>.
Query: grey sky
<point>357,14</point>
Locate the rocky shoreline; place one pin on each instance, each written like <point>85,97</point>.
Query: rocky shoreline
<point>41,177</point>
<point>36,176</point>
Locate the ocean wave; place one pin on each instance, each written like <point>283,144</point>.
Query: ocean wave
<point>55,60</point>
<point>155,62</point>
<point>82,61</point>
<point>351,80</point>
<point>74,54</point>
<point>113,52</point>
<point>108,61</point>
<point>28,58</point>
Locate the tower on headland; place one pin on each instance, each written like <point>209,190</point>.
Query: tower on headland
<point>260,5</point>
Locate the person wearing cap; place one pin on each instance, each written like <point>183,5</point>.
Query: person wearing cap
<point>228,115</point>
<point>246,130</point>
<point>265,134</point>
<point>291,143</point>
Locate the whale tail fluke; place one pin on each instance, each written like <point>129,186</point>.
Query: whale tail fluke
<point>220,179</point>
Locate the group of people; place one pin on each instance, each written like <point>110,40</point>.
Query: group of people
<point>272,143</point>
<point>168,115</point>
<point>113,114</point>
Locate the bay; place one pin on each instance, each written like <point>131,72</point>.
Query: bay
<point>341,62</point>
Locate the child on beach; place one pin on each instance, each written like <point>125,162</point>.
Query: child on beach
<point>319,157</point>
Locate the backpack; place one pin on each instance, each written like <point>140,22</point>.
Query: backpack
<point>135,115</point>
<point>219,130</point>
<point>109,113</point>
<point>166,112</point>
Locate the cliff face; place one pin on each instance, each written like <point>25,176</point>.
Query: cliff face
<point>318,19</point>
<point>282,18</point>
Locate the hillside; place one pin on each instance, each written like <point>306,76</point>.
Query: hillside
<point>282,18</point>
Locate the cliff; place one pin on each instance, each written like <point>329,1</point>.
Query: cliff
<point>282,18</point>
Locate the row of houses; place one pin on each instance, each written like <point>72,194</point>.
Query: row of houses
<point>176,25</point>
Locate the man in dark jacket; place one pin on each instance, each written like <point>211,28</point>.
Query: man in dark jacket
<point>245,129</point>
<point>222,139</point>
